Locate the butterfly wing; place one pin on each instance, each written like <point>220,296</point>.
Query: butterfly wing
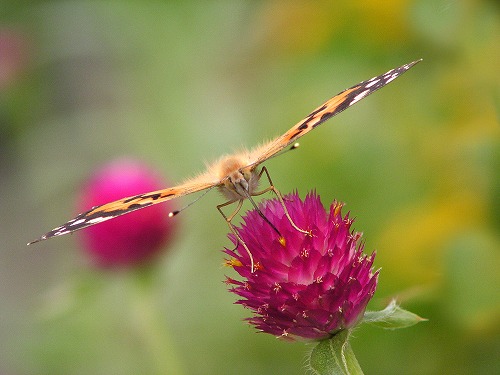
<point>123,206</point>
<point>330,108</point>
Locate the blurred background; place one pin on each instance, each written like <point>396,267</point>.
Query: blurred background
<point>175,84</point>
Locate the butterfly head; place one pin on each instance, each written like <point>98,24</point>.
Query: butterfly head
<point>240,184</point>
<point>239,180</point>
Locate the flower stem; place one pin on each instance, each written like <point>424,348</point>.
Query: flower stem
<point>150,327</point>
<point>334,357</point>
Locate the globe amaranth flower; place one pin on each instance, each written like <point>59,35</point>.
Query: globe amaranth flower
<point>130,239</point>
<point>312,287</point>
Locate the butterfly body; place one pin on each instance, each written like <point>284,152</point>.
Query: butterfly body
<point>236,176</point>
<point>238,181</point>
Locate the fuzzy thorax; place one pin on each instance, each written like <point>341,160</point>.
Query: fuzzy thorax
<point>241,180</point>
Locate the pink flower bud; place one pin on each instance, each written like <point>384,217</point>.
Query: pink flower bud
<point>134,238</point>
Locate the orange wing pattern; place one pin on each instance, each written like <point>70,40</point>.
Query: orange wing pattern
<point>330,108</point>
<point>123,206</point>
<point>212,177</point>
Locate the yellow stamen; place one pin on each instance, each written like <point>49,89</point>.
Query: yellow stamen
<point>338,207</point>
<point>282,241</point>
<point>232,263</point>
<point>257,267</point>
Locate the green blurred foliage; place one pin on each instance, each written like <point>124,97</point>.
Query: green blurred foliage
<point>174,83</point>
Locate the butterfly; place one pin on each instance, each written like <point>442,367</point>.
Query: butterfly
<point>237,175</point>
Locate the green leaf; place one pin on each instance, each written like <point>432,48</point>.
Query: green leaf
<point>392,317</point>
<point>334,357</point>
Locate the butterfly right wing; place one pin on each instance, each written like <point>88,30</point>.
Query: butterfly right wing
<point>123,206</point>
<point>330,108</point>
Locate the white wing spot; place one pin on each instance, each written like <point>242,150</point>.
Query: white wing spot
<point>77,222</point>
<point>372,81</point>
<point>97,220</point>
<point>392,78</point>
<point>360,96</point>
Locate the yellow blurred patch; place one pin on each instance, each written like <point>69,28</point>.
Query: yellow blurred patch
<point>296,26</point>
<point>307,26</point>
<point>413,244</point>
<point>383,22</point>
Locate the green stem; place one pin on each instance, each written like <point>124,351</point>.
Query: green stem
<point>150,327</point>
<point>334,357</point>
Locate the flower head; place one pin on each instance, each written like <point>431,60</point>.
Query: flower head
<point>312,287</point>
<point>133,238</point>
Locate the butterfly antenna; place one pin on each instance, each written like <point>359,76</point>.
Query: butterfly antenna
<point>174,213</point>
<point>292,147</point>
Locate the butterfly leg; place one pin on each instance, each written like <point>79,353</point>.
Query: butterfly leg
<point>280,198</point>
<point>233,229</point>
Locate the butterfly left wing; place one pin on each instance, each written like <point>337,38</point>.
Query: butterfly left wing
<point>123,206</point>
<point>330,108</point>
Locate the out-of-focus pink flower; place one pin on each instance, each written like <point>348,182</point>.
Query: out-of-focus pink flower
<point>312,287</point>
<point>133,238</point>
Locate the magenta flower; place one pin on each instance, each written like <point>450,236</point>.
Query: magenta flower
<point>130,239</point>
<point>312,287</point>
